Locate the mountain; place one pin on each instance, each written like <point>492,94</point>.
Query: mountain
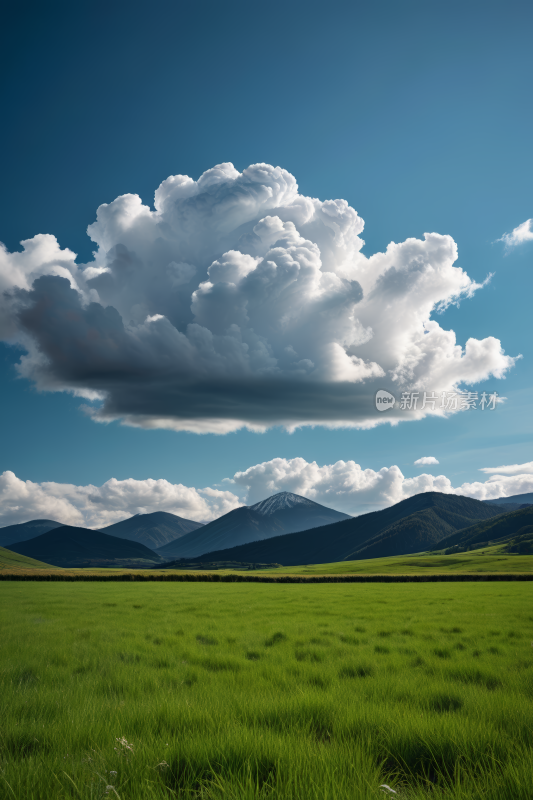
<point>68,546</point>
<point>26,530</point>
<point>152,530</point>
<point>278,515</point>
<point>517,499</point>
<point>410,526</point>
<point>295,513</point>
<point>504,528</point>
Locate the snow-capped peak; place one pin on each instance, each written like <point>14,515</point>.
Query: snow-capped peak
<point>280,501</point>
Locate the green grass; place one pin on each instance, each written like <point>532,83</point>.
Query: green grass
<point>13,561</point>
<point>492,561</point>
<point>266,691</point>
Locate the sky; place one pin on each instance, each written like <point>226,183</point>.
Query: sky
<point>224,338</point>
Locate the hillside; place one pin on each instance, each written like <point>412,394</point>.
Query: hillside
<point>466,563</point>
<point>373,535</point>
<point>281,514</point>
<point>11,561</point>
<point>153,530</point>
<point>410,534</point>
<point>514,528</point>
<point>26,530</point>
<point>69,546</point>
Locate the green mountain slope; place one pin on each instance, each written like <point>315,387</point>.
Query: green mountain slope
<point>341,540</point>
<point>514,528</point>
<point>412,534</point>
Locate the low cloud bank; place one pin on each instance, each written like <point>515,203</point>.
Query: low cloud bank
<point>238,302</point>
<point>348,487</point>
<point>345,486</point>
<point>98,506</point>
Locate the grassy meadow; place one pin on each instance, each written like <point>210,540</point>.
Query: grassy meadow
<point>266,691</point>
<point>490,560</point>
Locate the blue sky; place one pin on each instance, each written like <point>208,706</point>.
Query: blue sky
<point>418,114</point>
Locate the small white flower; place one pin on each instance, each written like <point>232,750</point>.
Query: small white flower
<point>113,773</point>
<point>124,744</point>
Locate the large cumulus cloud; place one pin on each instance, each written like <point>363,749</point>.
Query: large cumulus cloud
<point>239,302</point>
<point>344,485</point>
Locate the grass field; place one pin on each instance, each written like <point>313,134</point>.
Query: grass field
<point>491,561</point>
<point>266,691</point>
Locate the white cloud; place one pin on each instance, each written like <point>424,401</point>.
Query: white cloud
<point>522,233</point>
<point>345,486</point>
<point>348,487</point>
<point>98,506</point>
<point>425,461</point>
<point>512,469</point>
<point>498,486</point>
<point>239,302</point>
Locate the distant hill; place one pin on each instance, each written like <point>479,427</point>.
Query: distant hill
<point>515,527</point>
<point>517,499</point>
<point>506,507</point>
<point>68,546</point>
<point>11,562</point>
<point>411,526</point>
<point>152,530</point>
<point>26,530</point>
<point>283,513</point>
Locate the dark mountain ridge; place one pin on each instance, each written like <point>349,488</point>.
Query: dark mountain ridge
<point>516,499</point>
<point>26,530</point>
<point>279,515</point>
<point>412,525</point>
<point>153,530</point>
<point>68,546</point>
